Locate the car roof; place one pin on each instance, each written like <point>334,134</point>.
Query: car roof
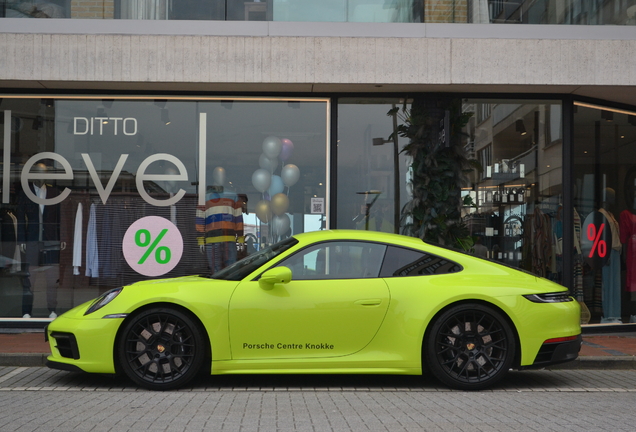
<point>345,234</point>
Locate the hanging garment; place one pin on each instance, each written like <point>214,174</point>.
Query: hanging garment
<point>611,292</point>
<point>541,244</point>
<point>615,229</point>
<point>578,259</point>
<point>219,223</point>
<point>628,236</point>
<point>92,258</point>
<point>77,241</point>
<point>48,217</point>
<point>173,212</point>
<point>16,266</point>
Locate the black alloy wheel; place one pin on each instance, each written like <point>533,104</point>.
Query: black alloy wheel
<point>470,347</point>
<point>161,349</point>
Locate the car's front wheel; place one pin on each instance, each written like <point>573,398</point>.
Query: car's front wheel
<point>470,347</point>
<point>161,349</point>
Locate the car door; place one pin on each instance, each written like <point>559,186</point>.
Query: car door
<point>333,306</point>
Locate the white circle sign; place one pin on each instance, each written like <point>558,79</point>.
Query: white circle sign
<point>152,246</point>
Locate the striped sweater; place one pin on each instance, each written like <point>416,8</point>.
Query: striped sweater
<point>220,220</point>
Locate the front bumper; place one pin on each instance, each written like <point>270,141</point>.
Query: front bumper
<point>84,344</point>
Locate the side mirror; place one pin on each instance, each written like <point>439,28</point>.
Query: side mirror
<point>273,276</point>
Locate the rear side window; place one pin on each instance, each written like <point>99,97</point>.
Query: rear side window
<point>399,262</point>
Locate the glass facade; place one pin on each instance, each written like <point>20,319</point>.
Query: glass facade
<point>584,12</point>
<point>605,213</point>
<point>102,192</point>
<point>512,195</point>
<point>99,193</point>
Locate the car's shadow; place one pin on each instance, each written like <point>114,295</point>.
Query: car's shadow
<point>513,381</point>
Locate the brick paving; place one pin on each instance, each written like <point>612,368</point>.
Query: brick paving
<point>38,399</point>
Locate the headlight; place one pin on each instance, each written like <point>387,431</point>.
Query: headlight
<point>103,300</point>
<point>557,297</point>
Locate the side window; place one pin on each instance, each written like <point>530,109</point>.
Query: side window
<point>409,262</point>
<point>337,260</point>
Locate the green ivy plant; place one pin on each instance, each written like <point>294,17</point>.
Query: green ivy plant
<point>438,171</point>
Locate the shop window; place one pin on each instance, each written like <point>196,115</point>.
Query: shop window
<point>605,213</point>
<point>100,193</point>
<point>515,211</point>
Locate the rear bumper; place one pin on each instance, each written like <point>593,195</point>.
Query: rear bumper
<point>556,352</point>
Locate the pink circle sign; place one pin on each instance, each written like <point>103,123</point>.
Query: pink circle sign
<point>152,246</point>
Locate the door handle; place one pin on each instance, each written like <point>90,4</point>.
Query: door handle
<point>368,302</point>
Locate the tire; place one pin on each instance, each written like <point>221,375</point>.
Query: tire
<point>161,349</point>
<point>470,347</point>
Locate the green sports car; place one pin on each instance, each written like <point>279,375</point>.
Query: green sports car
<point>337,302</point>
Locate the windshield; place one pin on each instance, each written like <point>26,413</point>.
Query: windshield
<point>247,265</point>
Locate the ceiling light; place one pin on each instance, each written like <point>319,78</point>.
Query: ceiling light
<point>520,127</point>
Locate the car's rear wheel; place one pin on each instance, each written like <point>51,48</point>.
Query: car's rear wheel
<point>470,347</point>
<point>161,349</point>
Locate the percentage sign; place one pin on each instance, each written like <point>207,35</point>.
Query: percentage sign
<point>599,245</point>
<point>146,241</point>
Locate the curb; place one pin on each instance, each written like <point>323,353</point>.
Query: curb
<point>587,362</point>
<point>28,360</point>
<point>598,362</point>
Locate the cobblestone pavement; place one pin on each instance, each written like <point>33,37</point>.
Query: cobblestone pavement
<point>39,399</point>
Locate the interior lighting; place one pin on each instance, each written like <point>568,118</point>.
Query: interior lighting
<point>603,108</point>
<point>101,112</point>
<point>607,115</point>
<point>164,116</point>
<point>520,127</point>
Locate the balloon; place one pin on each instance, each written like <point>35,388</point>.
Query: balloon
<point>287,150</point>
<point>280,224</point>
<point>267,163</point>
<point>264,211</point>
<point>218,176</point>
<point>280,204</point>
<point>276,186</point>
<point>272,147</point>
<point>290,174</point>
<point>261,179</point>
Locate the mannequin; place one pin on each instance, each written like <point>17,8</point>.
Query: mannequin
<point>39,239</point>
<point>611,292</point>
<point>219,223</point>
<point>628,237</point>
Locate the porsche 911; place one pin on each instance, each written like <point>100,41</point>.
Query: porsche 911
<point>326,302</point>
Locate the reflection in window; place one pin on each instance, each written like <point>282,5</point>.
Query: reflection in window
<point>400,262</point>
<point>370,165</point>
<point>337,260</point>
<point>517,190</point>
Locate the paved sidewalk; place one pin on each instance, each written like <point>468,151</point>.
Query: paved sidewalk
<point>599,351</point>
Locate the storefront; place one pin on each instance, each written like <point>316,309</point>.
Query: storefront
<point>98,192</point>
